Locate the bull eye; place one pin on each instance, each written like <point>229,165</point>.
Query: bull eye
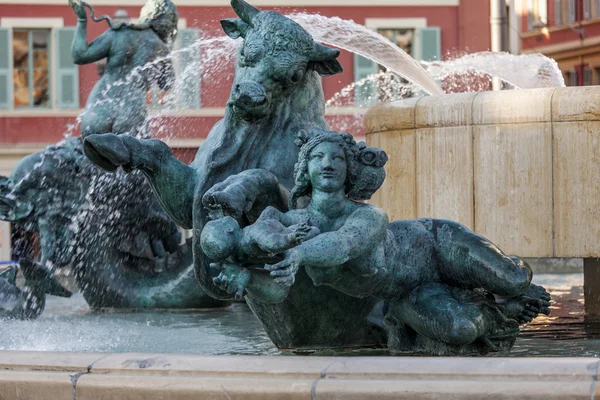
<point>297,75</point>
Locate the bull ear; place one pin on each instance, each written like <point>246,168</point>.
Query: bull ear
<point>234,28</point>
<point>245,11</point>
<point>326,68</point>
<point>323,60</point>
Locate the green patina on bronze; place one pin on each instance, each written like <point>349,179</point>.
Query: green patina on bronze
<point>123,249</point>
<point>313,271</point>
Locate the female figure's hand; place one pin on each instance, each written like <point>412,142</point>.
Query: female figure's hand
<point>285,270</point>
<point>78,8</point>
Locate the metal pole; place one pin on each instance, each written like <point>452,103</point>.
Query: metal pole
<point>499,40</point>
<point>498,25</point>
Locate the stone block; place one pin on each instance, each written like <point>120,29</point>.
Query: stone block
<point>395,115</point>
<point>192,387</point>
<point>445,174</point>
<point>443,111</point>
<point>513,187</point>
<point>576,104</point>
<point>397,196</point>
<point>576,200</point>
<point>513,106</point>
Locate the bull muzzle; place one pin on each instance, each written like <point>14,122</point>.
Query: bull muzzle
<point>250,100</point>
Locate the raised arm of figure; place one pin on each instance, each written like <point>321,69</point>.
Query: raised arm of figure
<point>98,49</point>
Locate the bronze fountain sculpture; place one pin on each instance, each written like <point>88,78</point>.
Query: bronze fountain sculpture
<point>295,241</point>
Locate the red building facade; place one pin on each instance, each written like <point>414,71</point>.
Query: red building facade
<point>567,31</point>
<point>42,92</point>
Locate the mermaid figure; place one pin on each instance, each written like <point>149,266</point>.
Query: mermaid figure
<point>137,57</point>
<point>440,279</point>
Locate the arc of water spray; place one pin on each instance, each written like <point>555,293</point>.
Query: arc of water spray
<point>361,40</point>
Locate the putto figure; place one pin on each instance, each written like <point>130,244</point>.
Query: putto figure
<point>137,57</point>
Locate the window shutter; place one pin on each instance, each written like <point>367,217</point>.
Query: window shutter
<point>67,72</point>
<point>573,78</point>
<point>587,9</point>
<point>189,72</point>
<point>429,44</point>
<point>571,11</point>
<point>5,81</point>
<point>587,76</point>
<point>530,16</point>
<point>365,92</point>
<point>543,11</point>
<point>558,20</point>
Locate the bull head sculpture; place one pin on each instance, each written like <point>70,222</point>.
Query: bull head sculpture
<point>277,57</point>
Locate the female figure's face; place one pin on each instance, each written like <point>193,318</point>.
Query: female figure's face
<point>327,167</point>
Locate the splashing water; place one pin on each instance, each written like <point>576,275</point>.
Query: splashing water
<point>526,71</point>
<point>358,39</point>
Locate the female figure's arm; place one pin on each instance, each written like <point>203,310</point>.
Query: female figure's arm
<point>360,234</point>
<point>81,51</point>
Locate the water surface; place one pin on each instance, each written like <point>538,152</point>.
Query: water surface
<point>69,325</point>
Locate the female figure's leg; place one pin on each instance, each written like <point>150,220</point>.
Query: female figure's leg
<point>452,316</point>
<point>469,261</point>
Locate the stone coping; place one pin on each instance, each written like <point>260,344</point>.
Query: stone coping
<point>56,376</point>
<point>565,104</point>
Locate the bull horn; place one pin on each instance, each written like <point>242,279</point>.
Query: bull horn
<point>245,11</point>
<point>324,53</point>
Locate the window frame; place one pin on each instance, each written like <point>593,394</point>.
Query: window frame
<point>572,78</point>
<point>414,24</point>
<point>30,69</point>
<point>50,24</point>
<point>154,106</point>
<point>588,76</point>
<point>586,12</point>
<point>571,12</point>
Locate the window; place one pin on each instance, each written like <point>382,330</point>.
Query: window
<point>572,78</point>
<point>571,11</point>
<point>537,14</point>
<point>187,65</point>
<point>587,9</point>
<point>411,35</point>
<point>587,76</point>
<point>597,8</point>
<point>558,14</point>
<point>395,87</point>
<point>31,55</point>
<point>403,38</point>
<point>36,65</point>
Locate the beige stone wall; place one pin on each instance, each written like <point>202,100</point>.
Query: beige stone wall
<point>518,167</point>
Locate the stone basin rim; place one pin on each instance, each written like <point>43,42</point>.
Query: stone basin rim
<point>36,375</point>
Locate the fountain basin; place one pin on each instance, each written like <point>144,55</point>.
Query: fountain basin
<point>58,376</point>
<point>518,167</point>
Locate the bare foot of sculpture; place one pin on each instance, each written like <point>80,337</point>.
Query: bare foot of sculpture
<point>527,307</point>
